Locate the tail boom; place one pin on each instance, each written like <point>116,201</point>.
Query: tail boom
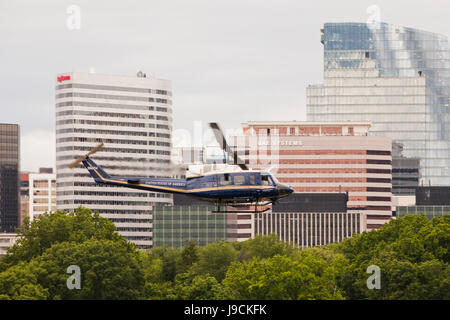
<point>96,172</point>
<point>156,185</point>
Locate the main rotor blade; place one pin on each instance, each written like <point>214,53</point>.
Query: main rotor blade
<point>94,150</point>
<point>225,147</point>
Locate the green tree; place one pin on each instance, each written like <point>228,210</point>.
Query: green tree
<point>57,227</point>
<point>20,282</point>
<point>432,281</point>
<point>437,240</point>
<point>277,278</point>
<point>326,264</point>
<point>189,255</point>
<point>152,266</point>
<point>109,270</point>
<point>263,247</point>
<point>160,266</point>
<point>189,286</point>
<point>159,291</point>
<point>171,263</point>
<point>215,258</point>
<point>36,266</point>
<point>412,254</point>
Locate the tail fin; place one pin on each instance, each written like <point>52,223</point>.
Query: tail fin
<point>96,172</point>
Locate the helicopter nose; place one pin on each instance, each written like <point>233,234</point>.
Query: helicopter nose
<point>284,189</point>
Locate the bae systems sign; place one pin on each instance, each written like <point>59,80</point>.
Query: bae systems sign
<point>280,143</point>
<point>63,78</point>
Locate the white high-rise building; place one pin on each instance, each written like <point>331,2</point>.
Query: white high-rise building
<point>7,240</point>
<point>188,155</point>
<point>42,194</point>
<point>132,116</point>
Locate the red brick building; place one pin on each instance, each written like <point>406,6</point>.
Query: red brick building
<point>325,157</point>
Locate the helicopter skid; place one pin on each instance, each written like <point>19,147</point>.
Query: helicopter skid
<point>241,211</point>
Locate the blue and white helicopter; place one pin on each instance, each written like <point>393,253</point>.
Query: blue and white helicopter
<point>234,185</point>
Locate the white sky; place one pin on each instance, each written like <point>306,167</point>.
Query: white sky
<point>229,61</point>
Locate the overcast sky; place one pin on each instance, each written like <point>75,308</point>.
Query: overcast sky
<point>229,61</point>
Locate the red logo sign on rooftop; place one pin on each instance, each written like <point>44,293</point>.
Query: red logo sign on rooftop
<point>63,78</point>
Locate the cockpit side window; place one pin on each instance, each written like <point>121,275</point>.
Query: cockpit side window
<point>265,180</point>
<point>239,179</point>
<point>225,180</point>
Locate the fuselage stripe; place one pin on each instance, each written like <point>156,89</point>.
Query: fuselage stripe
<point>183,190</point>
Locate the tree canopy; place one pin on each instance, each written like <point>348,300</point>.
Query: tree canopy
<point>57,227</point>
<point>412,254</point>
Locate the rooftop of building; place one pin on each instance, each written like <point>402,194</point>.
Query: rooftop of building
<point>9,125</point>
<point>308,128</point>
<point>103,76</point>
<point>312,202</point>
<point>307,123</point>
<point>384,24</point>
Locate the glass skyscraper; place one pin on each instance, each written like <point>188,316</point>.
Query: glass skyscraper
<point>175,226</point>
<point>397,78</point>
<point>9,177</point>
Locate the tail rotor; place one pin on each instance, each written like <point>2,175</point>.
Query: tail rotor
<point>79,160</point>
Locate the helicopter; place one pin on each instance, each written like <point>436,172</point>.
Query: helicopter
<point>234,185</point>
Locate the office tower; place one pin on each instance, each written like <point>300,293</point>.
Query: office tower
<point>240,224</point>
<point>7,240</point>
<point>183,158</point>
<point>326,157</point>
<point>175,226</point>
<point>431,196</point>
<point>396,77</point>
<point>311,219</point>
<point>190,219</point>
<point>405,172</point>
<point>132,116</point>
<point>188,155</point>
<point>430,201</point>
<point>42,193</point>
<point>293,223</point>
<point>9,177</point>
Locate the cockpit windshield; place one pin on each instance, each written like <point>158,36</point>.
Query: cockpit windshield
<point>273,178</point>
<point>268,179</point>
